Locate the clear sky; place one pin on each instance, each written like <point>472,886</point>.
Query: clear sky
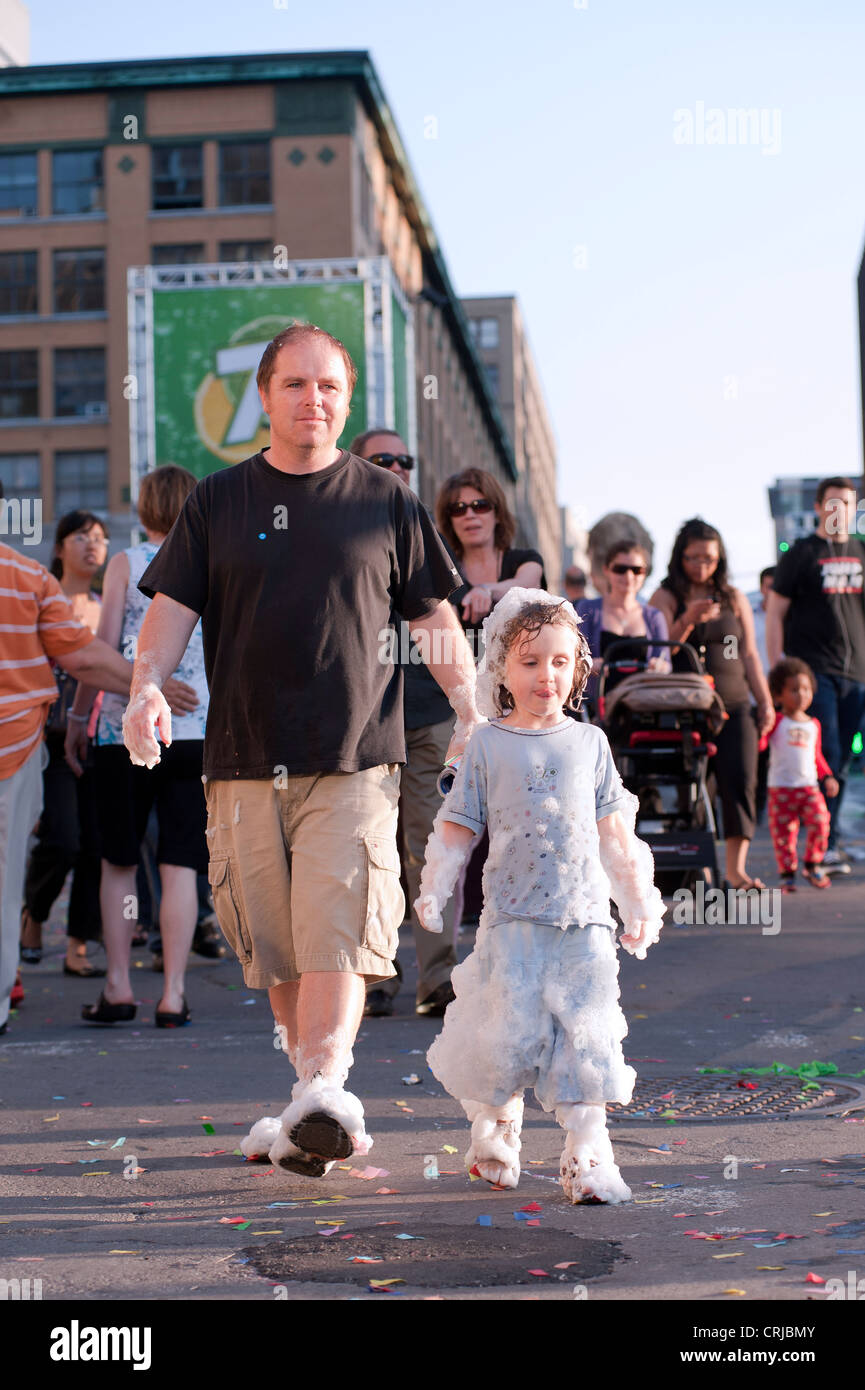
<point>704,339</point>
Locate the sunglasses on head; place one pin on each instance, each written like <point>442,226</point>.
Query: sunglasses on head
<point>385,460</point>
<point>480,504</point>
<point>626,569</point>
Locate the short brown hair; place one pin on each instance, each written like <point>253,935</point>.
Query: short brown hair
<point>161,495</point>
<point>296,332</point>
<point>360,441</point>
<point>826,483</point>
<point>529,621</point>
<point>484,483</point>
<point>625,544</point>
<point>785,670</point>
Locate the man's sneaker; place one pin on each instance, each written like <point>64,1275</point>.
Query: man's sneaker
<point>435,1004</point>
<point>378,1004</point>
<point>836,862</point>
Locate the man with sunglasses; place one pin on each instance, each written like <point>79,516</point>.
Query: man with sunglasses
<point>295,560</point>
<point>429,723</point>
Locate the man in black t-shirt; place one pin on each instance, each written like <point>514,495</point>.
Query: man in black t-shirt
<point>297,561</point>
<point>816,612</point>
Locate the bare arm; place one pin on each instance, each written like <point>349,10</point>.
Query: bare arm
<point>627,862</point>
<point>753,665</point>
<point>110,627</point>
<point>162,641</point>
<point>444,649</point>
<point>481,599</point>
<point>776,612</point>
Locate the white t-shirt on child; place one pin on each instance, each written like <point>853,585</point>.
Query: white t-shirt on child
<point>540,792</point>
<point>793,753</point>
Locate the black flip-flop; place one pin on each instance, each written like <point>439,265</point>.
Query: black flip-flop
<point>103,1012</point>
<point>169,1020</point>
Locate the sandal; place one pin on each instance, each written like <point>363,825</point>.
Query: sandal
<point>90,972</point>
<point>31,955</point>
<point>104,1012</point>
<point>169,1020</point>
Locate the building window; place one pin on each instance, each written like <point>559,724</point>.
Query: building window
<point>19,474</point>
<point>244,173</point>
<point>183,253</point>
<point>485,332</point>
<point>19,385</point>
<point>18,282</point>
<point>367,199</point>
<point>492,371</point>
<point>246,250</point>
<point>80,480</point>
<point>79,282</point>
<point>178,179</point>
<point>18,185</point>
<point>79,382</point>
<point>78,181</point>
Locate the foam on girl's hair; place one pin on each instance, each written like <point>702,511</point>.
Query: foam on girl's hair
<point>491,670</point>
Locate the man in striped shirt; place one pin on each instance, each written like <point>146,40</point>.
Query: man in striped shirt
<point>36,627</point>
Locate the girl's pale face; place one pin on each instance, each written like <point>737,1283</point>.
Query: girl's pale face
<point>473,528</point>
<point>539,673</point>
<point>83,552</point>
<point>625,587</point>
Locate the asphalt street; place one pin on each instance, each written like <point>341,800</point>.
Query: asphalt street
<point>121,1178</point>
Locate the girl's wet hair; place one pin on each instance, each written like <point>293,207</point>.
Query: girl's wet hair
<point>524,627</point>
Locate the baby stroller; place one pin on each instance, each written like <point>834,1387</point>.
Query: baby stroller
<point>660,728</point>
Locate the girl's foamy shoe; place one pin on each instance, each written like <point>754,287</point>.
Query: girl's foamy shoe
<point>588,1168</point>
<point>258,1142</point>
<point>494,1153</point>
<point>324,1123</point>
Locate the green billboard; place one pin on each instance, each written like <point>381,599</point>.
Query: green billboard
<point>207,342</point>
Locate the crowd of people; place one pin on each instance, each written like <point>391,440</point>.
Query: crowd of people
<point>204,696</point>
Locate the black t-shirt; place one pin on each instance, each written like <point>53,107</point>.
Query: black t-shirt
<point>825,623</point>
<point>296,578</point>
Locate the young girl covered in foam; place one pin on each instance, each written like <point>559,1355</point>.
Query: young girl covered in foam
<point>537,999</point>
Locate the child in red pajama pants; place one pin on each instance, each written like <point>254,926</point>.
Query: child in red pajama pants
<point>796,764</point>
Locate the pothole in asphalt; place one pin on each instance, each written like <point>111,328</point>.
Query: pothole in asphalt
<point>445,1257</point>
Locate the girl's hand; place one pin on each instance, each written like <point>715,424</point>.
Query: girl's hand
<point>429,916</point>
<point>639,937</point>
<point>182,698</point>
<point>477,603</point>
<point>830,786</point>
<point>658,663</point>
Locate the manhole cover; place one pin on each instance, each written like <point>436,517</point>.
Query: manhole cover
<point>698,1098</point>
<point>446,1257</point>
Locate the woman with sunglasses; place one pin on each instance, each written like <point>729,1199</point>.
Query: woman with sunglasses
<point>619,612</point>
<point>473,516</point>
<point>703,608</point>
